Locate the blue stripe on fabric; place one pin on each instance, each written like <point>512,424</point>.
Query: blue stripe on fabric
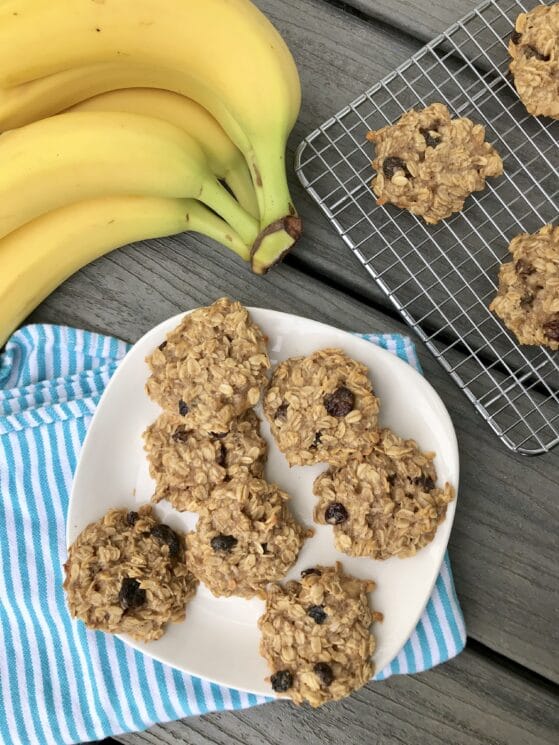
<point>144,686</point>
<point>182,693</point>
<point>23,562</point>
<point>458,641</point>
<point>53,543</point>
<point>165,700</point>
<point>58,588</point>
<point>127,682</point>
<point>108,680</point>
<point>200,698</point>
<point>427,661</point>
<point>435,623</point>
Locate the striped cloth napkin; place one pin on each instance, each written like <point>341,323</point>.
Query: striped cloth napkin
<point>59,682</point>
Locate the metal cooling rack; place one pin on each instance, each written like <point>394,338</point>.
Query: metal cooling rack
<point>441,278</point>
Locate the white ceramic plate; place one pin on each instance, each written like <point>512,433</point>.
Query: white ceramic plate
<point>219,638</point>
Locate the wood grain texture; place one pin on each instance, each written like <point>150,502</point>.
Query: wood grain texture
<point>468,701</point>
<point>418,19</point>
<point>503,543</point>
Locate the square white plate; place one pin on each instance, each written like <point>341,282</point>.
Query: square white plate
<point>219,638</point>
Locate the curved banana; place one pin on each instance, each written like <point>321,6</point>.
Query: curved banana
<point>82,155</point>
<point>225,159</point>
<point>38,257</point>
<point>224,54</point>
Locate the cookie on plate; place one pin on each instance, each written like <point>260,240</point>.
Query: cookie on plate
<point>386,504</point>
<point>321,408</point>
<point>528,298</point>
<point>211,368</point>
<point>128,574</point>
<point>534,48</point>
<point>429,163</point>
<point>315,635</point>
<point>245,538</point>
<point>188,464</point>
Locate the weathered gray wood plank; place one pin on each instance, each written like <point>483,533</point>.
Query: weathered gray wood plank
<point>503,542</point>
<point>469,701</point>
<point>416,18</point>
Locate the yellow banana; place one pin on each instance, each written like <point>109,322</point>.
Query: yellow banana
<point>224,54</point>
<point>82,155</point>
<point>38,257</point>
<point>225,159</point>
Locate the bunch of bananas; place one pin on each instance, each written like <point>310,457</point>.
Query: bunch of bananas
<point>123,120</point>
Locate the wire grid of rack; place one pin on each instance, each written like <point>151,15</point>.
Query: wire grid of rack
<point>441,278</point>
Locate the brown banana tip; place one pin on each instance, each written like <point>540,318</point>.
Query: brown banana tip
<point>291,224</point>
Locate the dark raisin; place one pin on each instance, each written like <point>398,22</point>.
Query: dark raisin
<point>339,403</point>
<point>551,329</point>
<point>515,37</point>
<point>335,513</point>
<point>221,455</point>
<point>131,594</point>
<point>431,140</point>
<point>167,535</point>
<point>181,434</point>
<point>183,408</point>
<point>317,613</point>
<point>132,518</point>
<point>527,299</point>
<point>281,412</point>
<point>162,346</point>
<point>391,478</point>
<point>532,52</point>
<point>324,673</point>
<point>524,268</point>
<point>223,542</point>
<point>218,435</point>
<point>310,570</point>
<point>316,442</point>
<point>392,164</point>
<point>426,482</point>
<point>281,681</point>
<point>264,547</point>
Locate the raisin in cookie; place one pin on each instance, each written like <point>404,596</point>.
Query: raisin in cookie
<point>429,163</point>
<point>386,504</point>
<point>211,368</point>
<point>534,48</point>
<point>321,408</point>
<point>315,635</point>
<point>528,298</point>
<point>128,574</point>
<point>245,538</point>
<point>187,464</point>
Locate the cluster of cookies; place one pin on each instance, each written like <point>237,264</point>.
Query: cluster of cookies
<point>429,163</point>
<point>129,573</point>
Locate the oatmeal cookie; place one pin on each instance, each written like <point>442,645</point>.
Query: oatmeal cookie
<point>187,464</point>
<point>429,163</point>
<point>386,504</point>
<point>528,298</point>
<point>321,408</point>
<point>211,368</point>
<point>534,48</point>
<point>128,574</point>
<point>245,538</point>
<point>315,635</point>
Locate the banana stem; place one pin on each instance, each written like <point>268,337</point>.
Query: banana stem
<point>280,226</point>
<point>239,181</point>
<point>218,198</point>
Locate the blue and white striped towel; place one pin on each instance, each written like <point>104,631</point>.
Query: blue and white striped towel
<point>59,682</point>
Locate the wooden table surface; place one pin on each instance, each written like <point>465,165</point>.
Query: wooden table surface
<point>503,688</point>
